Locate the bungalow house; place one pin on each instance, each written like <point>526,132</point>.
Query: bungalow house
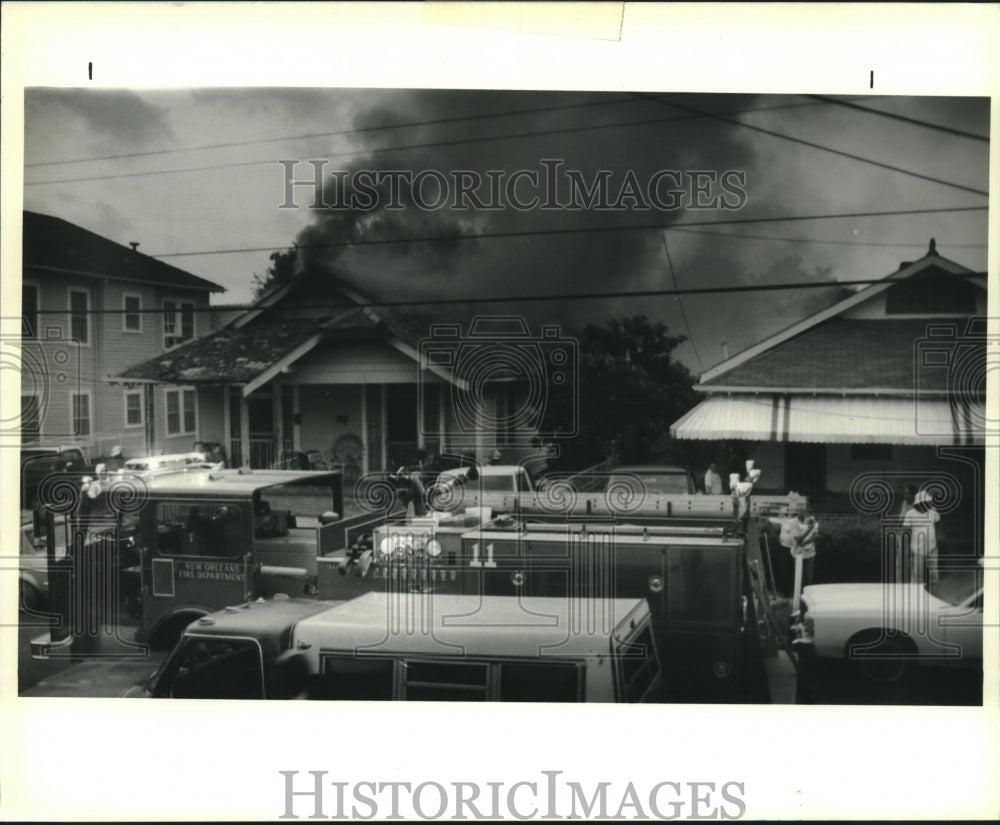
<point>89,308</point>
<point>310,366</point>
<point>889,383</point>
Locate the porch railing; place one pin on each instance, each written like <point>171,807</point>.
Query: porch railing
<point>263,453</point>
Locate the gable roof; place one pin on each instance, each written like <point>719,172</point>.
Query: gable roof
<point>844,354</point>
<point>814,355</point>
<point>54,245</point>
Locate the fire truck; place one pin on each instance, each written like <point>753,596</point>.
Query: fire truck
<point>698,560</point>
<point>177,542</point>
<point>205,539</point>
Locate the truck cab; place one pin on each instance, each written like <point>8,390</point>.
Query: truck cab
<point>199,539</point>
<point>414,647</point>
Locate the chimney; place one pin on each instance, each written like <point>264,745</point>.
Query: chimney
<point>725,351</point>
<point>134,245</point>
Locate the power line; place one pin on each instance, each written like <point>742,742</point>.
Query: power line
<point>680,303</point>
<point>820,147</point>
<point>501,299</point>
<point>914,121</point>
<point>428,145</point>
<point>823,241</point>
<point>339,133</point>
<point>577,230</point>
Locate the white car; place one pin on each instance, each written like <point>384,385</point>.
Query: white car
<point>887,628</point>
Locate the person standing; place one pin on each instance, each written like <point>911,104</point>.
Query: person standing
<point>116,461</point>
<point>799,536</point>
<point>921,521</point>
<point>713,481</point>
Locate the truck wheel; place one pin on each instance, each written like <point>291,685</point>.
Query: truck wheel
<point>885,657</point>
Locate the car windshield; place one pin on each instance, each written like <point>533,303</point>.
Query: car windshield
<point>957,586</point>
<point>655,483</point>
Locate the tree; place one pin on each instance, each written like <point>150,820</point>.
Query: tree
<point>631,390</point>
<point>283,267</point>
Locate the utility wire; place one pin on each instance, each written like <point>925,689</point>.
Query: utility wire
<point>680,302</point>
<point>818,146</point>
<point>902,118</point>
<point>576,230</point>
<point>339,133</point>
<point>558,296</point>
<point>427,145</point>
<point>823,241</point>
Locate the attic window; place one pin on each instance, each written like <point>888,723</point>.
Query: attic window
<point>931,294</point>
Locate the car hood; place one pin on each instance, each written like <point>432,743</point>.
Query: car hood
<point>866,596</point>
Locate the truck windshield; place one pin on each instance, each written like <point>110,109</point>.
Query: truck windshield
<point>216,668</point>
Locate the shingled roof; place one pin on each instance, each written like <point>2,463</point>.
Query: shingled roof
<point>237,355</point>
<point>845,353</point>
<point>54,245</point>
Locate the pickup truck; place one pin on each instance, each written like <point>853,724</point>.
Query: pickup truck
<point>413,647</point>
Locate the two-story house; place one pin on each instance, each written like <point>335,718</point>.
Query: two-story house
<point>91,307</point>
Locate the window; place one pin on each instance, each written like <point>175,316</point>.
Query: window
<point>356,678</point>
<point>132,313</point>
<point>31,419</point>
<point>639,666</point>
<point>181,416</point>
<point>79,315</point>
<point>81,413</point>
<point>178,322</point>
<point>216,530</point>
<point>445,681</point>
<point>29,310</point>
<point>216,669</point>
<point>134,412</point>
<point>871,452</point>
<point>541,682</point>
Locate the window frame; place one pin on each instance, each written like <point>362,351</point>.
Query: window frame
<point>86,314</point>
<point>142,408</point>
<point>179,307</point>
<point>180,411</point>
<point>90,415</point>
<point>126,313</point>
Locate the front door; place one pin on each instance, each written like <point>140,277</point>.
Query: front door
<point>805,470</point>
<point>262,432</point>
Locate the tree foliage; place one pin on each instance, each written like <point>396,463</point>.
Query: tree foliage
<point>631,390</point>
<point>283,267</point>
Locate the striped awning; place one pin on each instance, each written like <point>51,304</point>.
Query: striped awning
<point>832,419</point>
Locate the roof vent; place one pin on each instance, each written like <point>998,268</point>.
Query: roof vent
<point>932,248</point>
<point>134,245</point>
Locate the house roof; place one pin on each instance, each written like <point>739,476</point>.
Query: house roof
<point>54,245</point>
<point>238,355</point>
<point>932,262</point>
<point>845,354</point>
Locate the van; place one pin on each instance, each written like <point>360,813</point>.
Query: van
<point>417,647</point>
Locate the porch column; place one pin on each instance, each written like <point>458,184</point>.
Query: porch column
<point>296,419</point>
<point>244,430</point>
<point>365,465</point>
<point>384,435</point>
<point>442,412</point>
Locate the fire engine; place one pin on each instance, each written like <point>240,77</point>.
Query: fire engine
<point>208,539</point>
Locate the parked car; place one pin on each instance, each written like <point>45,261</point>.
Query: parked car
<point>887,628</point>
<point>655,479</point>
<point>33,571</point>
<point>39,462</point>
